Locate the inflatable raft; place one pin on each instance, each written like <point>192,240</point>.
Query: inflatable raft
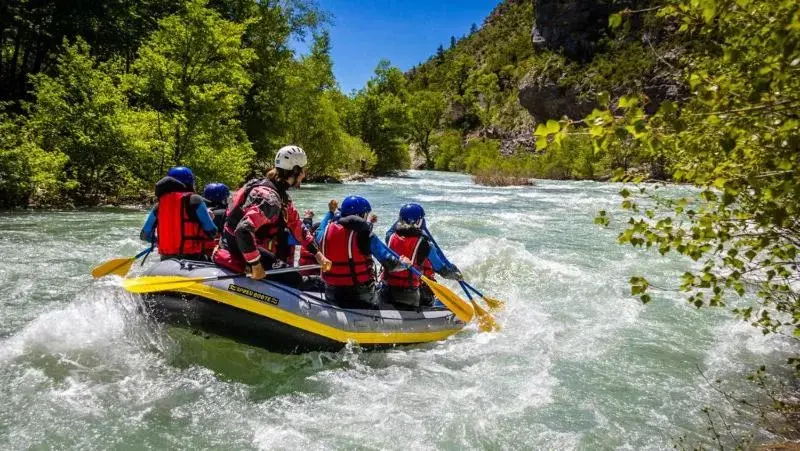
<point>282,319</point>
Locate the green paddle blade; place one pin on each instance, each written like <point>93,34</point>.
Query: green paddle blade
<point>117,266</point>
<point>152,284</point>
<point>452,301</point>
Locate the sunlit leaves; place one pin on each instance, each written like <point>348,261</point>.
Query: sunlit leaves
<point>730,139</point>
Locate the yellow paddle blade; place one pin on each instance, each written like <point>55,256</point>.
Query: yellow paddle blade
<point>152,284</point>
<point>118,266</point>
<point>495,305</point>
<point>486,321</point>
<point>455,304</point>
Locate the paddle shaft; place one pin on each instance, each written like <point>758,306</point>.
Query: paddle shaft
<point>270,272</point>
<point>146,250</point>
<point>441,252</point>
<point>465,285</point>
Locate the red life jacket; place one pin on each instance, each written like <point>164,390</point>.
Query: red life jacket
<point>407,246</point>
<point>350,266</point>
<point>177,233</point>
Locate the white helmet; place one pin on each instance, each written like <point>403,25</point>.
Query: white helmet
<point>290,156</point>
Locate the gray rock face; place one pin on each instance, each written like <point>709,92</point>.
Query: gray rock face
<point>544,99</point>
<point>573,27</point>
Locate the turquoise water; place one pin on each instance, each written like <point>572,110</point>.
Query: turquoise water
<point>579,364</point>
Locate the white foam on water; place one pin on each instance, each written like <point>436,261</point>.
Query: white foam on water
<point>95,321</point>
<point>461,199</point>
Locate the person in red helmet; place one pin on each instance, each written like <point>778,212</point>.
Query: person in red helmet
<point>258,214</point>
<point>180,222</point>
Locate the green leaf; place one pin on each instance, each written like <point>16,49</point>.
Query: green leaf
<point>615,20</point>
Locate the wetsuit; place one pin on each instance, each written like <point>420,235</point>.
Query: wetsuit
<point>254,231</point>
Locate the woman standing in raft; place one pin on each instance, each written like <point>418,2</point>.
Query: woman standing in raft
<point>260,210</point>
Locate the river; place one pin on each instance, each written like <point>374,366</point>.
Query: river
<point>579,363</point>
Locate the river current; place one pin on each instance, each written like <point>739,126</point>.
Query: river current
<point>578,364</point>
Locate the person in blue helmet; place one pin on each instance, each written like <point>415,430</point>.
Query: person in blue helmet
<point>216,196</point>
<point>409,237</point>
<point>350,245</point>
<point>180,222</point>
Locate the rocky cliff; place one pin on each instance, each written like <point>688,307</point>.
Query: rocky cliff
<point>587,58</point>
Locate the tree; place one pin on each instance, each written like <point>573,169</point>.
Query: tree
<point>313,119</point>
<point>458,74</point>
<point>473,29</point>
<point>452,41</point>
<point>736,138</point>
<point>425,111</point>
<point>193,71</point>
<point>440,54</point>
<point>487,90</point>
<point>77,114</point>
<point>380,119</point>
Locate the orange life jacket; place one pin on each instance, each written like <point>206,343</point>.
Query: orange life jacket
<point>177,233</point>
<point>350,266</point>
<point>407,246</point>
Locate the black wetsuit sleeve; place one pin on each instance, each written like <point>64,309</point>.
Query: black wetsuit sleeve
<point>362,240</point>
<point>423,251</point>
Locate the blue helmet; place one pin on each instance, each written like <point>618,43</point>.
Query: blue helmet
<point>355,205</point>
<point>217,193</point>
<point>182,174</point>
<point>412,213</point>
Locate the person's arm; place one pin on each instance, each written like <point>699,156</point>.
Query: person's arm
<point>148,232</point>
<point>198,210</point>
<point>323,225</point>
<point>445,269</point>
<point>296,229</point>
<point>384,256</point>
<point>439,255</point>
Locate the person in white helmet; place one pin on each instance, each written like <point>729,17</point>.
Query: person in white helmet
<point>258,215</point>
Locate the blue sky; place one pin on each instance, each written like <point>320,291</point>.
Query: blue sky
<point>405,32</point>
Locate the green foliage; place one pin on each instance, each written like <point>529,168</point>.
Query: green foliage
<point>313,119</point>
<point>737,138</point>
<point>378,115</point>
<point>425,111</point>
<point>193,70</point>
<point>27,173</point>
<point>77,114</point>
<point>448,155</point>
<point>173,82</point>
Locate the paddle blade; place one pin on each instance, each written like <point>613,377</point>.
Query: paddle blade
<point>152,284</point>
<point>452,301</point>
<point>495,305</point>
<point>117,266</point>
<point>486,321</point>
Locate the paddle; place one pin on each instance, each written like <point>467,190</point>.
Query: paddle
<point>485,320</point>
<point>118,266</point>
<point>152,284</point>
<point>455,304</point>
<point>494,304</point>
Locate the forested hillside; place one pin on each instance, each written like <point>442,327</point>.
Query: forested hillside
<point>101,99</point>
<point>533,61</point>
